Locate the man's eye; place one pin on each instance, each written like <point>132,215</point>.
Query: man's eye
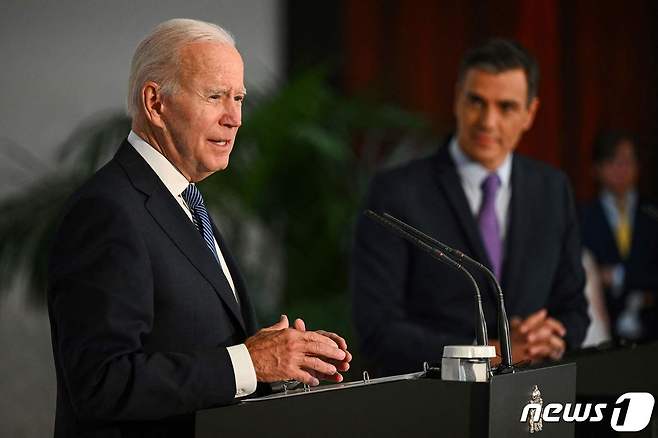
<point>508,108</point>
<point>474,101</point>
<point>214,97</point>
<point>239,98</point>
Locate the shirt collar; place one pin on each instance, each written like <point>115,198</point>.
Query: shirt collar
<point>609,199</point>
<point>472,172</point>
<point>167,172</point>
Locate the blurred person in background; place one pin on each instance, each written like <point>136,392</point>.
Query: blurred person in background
<point>512,213</point>
<point>620,230</point>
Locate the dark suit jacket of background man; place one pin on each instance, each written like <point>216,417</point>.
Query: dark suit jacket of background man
<point>140,310</point>
<point>640,271</point>
<point>407,305</point>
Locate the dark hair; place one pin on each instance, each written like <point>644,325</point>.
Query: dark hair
<point>499,55</point>
<point>606,144</point>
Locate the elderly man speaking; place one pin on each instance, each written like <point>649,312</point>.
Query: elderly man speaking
<point>149,315</point>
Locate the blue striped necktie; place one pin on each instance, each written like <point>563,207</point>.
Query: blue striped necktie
<point>194,200</point>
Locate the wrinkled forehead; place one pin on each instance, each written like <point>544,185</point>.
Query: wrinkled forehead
<point>211,61</point>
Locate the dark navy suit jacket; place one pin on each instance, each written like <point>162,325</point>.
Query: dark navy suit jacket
<point>640,267</point>
<point>408,306</point>
<point>140,311</point>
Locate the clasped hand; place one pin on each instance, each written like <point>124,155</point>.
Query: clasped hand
<point>281,352</point>
<point>537,337</point>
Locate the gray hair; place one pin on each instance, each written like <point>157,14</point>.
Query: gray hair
<point>158,55</point>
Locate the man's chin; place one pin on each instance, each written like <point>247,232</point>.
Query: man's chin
<point>480,152</point>
<point>485,144</point>
<point>220,165</point>
<point>488,157</point>
<point>207,171</point>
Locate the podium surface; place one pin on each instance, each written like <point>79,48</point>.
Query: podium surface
<point>419,408</point>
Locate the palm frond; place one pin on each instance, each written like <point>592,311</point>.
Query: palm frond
<point>29,217</point>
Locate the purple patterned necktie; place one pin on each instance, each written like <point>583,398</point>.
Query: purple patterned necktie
<point>488,222</point>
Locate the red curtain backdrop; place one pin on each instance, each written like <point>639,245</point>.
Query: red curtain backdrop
<point>597,60</point>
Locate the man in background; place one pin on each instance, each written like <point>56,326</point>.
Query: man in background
<point>512,213</point>
<point>620,229</point>
<point>150,317</point>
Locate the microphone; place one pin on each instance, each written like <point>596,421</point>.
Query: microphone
<point>481,328</point>
<point>503,323</point>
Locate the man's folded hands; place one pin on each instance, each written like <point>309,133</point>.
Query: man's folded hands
<point>282,352</point>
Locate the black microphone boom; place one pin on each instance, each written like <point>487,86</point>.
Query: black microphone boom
<point>503,324</point>
<point>481,330</point>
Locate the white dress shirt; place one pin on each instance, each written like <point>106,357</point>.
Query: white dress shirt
<point>611,209</point>
<point>176,183</point>
<point>472,174</point>
<point>612,213</point>
<point>629,322</point>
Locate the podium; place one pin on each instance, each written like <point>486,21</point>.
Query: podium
<point>615,370</point>
<point>605,373</point>
<point>418,407</point>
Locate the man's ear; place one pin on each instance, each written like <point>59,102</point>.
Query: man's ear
<point>532,111</point>
<point>152,103</point>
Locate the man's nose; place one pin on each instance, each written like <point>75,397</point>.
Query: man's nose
<point>488,117</point>
<point>232,116</point>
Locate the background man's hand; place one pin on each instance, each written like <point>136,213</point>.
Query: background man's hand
<point>280,352</point>
<point>537,337</point>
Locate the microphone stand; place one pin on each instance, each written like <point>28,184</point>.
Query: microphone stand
<point>481,331</point>
<point>503,323</point>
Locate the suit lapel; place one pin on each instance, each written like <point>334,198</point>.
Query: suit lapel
<point>168,214</point>
<point>518,226</point>
<point>240,288</point>
<point>450,184</point>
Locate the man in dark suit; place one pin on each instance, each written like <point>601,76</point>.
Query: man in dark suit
<point>514,214</point>
<point>621,230</point>
<point>149,314</point>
